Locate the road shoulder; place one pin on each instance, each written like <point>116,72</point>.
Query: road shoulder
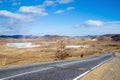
<point>107,71</point>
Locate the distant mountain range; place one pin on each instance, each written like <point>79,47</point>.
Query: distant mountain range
<point>18,36</point>
<point>88,36</point>
<point>114,37</point>
<point>31,36</point>
<point>54,36</point>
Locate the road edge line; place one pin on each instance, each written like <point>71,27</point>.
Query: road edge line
<point>26,73</point>
<point>80,76</point>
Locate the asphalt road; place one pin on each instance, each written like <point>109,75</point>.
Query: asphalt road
<point>60,70</point>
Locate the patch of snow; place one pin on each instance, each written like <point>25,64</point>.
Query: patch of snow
<point>21,45</point>
<point>94,40</point>
<point>78,46</point>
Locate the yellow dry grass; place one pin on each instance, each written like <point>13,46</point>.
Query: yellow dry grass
<point>46,52</point>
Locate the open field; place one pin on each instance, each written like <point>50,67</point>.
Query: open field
<point>46,52</point>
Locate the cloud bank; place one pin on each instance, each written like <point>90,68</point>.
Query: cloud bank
<point>98,23</point>
<point>25,14</point>
<point>94,23</point>
<point>33,10</point>
<point>10,15</point>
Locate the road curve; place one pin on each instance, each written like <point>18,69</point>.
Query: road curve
<point>59,70</point>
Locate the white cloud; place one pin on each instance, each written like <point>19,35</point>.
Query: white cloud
<point>70,8</point>
<point>65,1</point>
<point>55,2</point>
<point>10,15</point>
<point>33,10</point>
<point>16,3</point>
<point>40,9</point>
<point>93,23</point>
<point>65,10</point>
<point>59,11</point>
<point>98,23</point>
<point>12,27</point>
<point>48,3</point>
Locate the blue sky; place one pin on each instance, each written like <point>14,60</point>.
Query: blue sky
<point>59,17</point>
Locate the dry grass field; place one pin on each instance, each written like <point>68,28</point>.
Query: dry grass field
<point>46,52</point>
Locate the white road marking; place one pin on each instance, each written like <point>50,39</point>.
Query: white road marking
<point>45,69</point>
<point>101,63</point>
<point>26,73</point>
<point>62,65</point>
<point>78,77</point>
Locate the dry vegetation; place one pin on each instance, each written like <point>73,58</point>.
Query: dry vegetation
<point>47,51</point>
<point>62,51</point>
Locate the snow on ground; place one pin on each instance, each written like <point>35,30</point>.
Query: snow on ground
<point>77,46</point>
<point>21,45</point>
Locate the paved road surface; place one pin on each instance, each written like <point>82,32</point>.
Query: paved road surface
<point>60,70</point>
